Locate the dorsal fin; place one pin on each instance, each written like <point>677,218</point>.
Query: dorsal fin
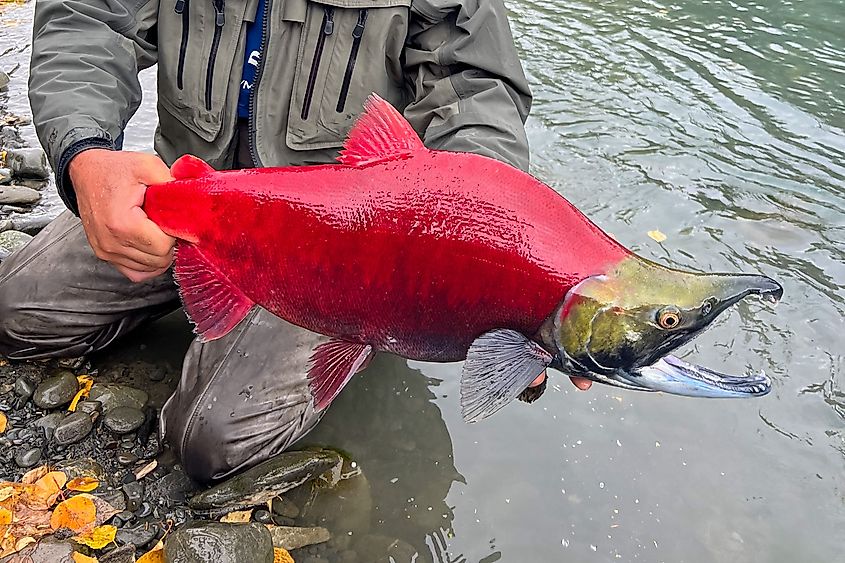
<point>381,132</point>
<point>189,166</point>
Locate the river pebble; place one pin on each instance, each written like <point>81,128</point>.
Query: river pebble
<point>57,390</point>
<point>113,396</point>
<point>73,428</point>
<point>292,537</point>
<point>18,195</point>
<point>122,420</point>
<point>138,536</point>
<point>134,493</point>
<point>10,241</point>
<point>28,162</point>
<point>5,176</point>
<point>124,554</point>
<point>28,458</point>
<point>285,507</point>
<point>200,542</point>
<point>24,387</point>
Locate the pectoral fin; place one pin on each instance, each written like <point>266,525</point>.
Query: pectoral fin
<point>500,364</point>
<point>332,366</point>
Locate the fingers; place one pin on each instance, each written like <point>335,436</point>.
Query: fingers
<point>581,383</point>
<point>138,276</point>
<point>539,380</point>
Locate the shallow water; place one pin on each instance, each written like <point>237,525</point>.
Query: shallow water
<point>720,124</point>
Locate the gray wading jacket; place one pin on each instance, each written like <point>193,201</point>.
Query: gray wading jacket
<point>450,65</point>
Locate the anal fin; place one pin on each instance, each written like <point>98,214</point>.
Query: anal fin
<point>211,301</point>
<point>332,366</point>
<point>500,365</point>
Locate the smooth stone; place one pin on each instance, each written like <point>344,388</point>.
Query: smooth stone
<point>124,554</point>
<point>93,408</point>
<point>28,458</point>
<point>4,81</point>
<point>292,537</point>
<point>56,390</point>
<point>113,396</point>
<point>121,518</point>
<point>50,421</point>
<point>24,387</point>
<point>139,536</point>
<point>285,507</point>
<point>10,241</point>
<point>5,225</point>
<point>28,162</point>
<point>18,195</point>
<point>5,175</point>
<point>200,542</point>
<point>84,467</point>
<point>48,550</point>
<point>262,516</point>
<point>122,420</point>
<point>134,493</point>
<point>144,510</point>
<point>260,484</point>
<point>73,428</point>
<point>126,458</point>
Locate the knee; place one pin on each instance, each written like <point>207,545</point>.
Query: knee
<point>14,328</point>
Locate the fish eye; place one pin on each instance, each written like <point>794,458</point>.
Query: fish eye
<point>669,318</point>
<point>706,307</point>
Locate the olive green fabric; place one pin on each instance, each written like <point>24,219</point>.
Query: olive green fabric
<point>450,65</point>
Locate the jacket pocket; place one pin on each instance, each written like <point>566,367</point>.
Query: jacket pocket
<point>198,42</point>
<point>348,49</point>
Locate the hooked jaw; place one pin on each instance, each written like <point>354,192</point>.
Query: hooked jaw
<point>629,333</point>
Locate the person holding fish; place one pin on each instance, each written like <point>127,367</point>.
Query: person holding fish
<point>241,83</point>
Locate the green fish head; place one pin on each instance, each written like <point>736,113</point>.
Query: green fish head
<point>619,328</point>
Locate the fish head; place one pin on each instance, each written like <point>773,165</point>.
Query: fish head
<point>620,327</point>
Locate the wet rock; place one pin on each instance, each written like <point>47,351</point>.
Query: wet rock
<point>32,223</point>
<point>260,484</point>
<point>48,550</point>
<point>126,458</point>
<point>18,195</point>
<point>4,81</point>
<point>125,554</point>
<point>28,162</point>
<point>73,428</point>
<point>199,542</point>
<point>49,423</point>
<point>56,390</point>
<point>92,408</point>
<point>10,241</point>
<point>5,176</point>
<point>122,420</point>
<point>5,225</point>
<point>114,497</point>
<point>138,536</point>
<point>24,387</point>
<point>284,507</point>
<point>28,458</point>
<point>82,468</point>
<point>144,510</point>
<point>113,396</point>
<point>173,488</point>
<point>401,552</point>
<point>261,516</point>
<point>134,493</point>
<point>290,537</point>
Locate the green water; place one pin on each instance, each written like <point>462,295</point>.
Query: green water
<point>721,125</point>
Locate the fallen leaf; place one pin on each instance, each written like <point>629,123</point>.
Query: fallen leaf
<point>7,491</point>
<point>85,384</point>
<point>80,558</point>
<point>23,542</point>
<point>104,510</point>
<point>3,422</point>
<point>76,513</point>
<point>34,475</point>
<point>155,555</point>
<point>657,235</point>
<point>5,516</point>
<point>46,490</point>
<point>237,517</point>
<point>281,555</point>
<point>98,538</point>
<point>82,484</point>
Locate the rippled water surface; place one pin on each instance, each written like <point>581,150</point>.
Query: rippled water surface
<point>719,123</point>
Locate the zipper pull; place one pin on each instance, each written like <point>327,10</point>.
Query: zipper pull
<point>329,27</point>
<point>179,7</point>
<point>220,18</point>
<point>359,27</point>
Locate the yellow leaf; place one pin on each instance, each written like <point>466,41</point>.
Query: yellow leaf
<point>98,538</point>
<point>82,484</point>
<point>75,513</point>
<point>3,422</point>
<point>281,556</point>
<point>657,235</point>
<point>23,542</point>
<point>155,555</point>
<point>5,516</point>
<point>80,558</point>
<point>85,384</point>
<point>237,517</point>
<point>34,475</point>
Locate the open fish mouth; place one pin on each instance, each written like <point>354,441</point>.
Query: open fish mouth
<point>673,375</point>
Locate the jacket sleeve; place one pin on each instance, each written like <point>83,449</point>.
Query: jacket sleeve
<point>469,92</point>
<point>83,84</point>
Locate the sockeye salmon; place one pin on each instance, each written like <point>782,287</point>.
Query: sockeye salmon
<point>437,256</point>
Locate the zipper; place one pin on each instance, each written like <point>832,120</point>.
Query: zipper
<point>253,141</point>
<point>181,8</point>
<point>219,20</point>
<point>328,27</point>
<point>357,33</point>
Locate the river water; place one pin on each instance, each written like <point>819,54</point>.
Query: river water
<point>719,123</point>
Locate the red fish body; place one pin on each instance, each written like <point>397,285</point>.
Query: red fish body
<point>398,247</point>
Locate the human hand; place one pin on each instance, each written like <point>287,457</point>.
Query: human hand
<point>110,187</point>
<point>581,383</point>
